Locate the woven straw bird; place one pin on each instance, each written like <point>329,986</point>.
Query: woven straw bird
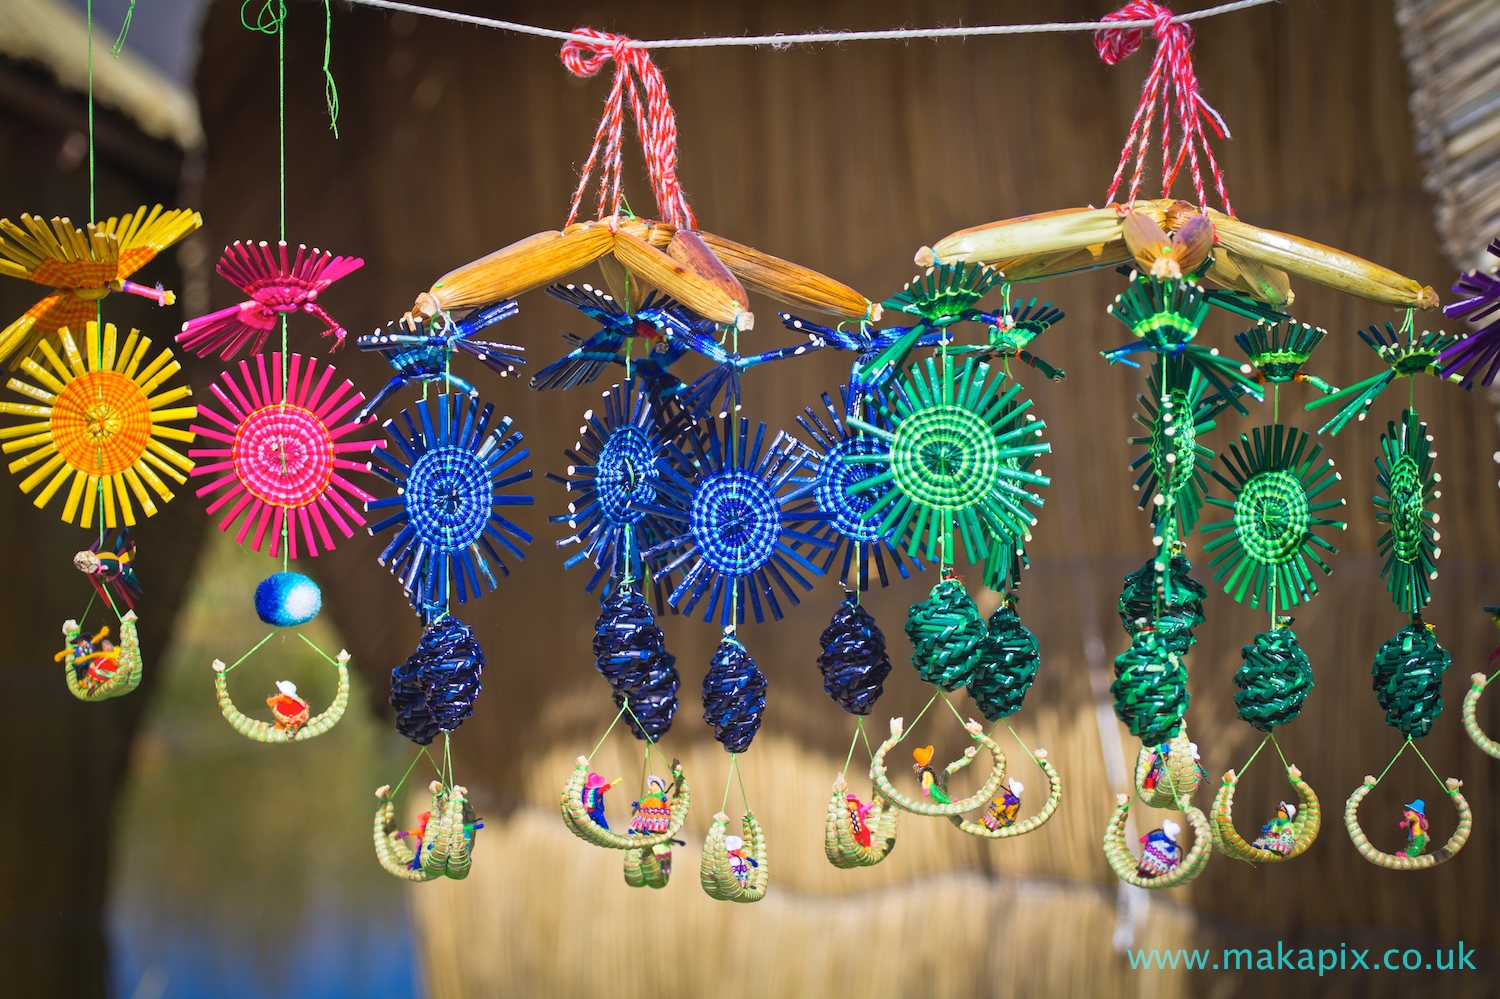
<point>82,268</point>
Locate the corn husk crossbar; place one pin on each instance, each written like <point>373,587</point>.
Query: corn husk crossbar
<point>1477,683</point>
<point>1247,258</point>
<point>1393,862</point>
<point>1026,825</point>
<point>978,799</point>
<point>1180,775</point>
<point>263,731</point>
<point>840,846</point>
<point>1125,865</point>
<point>1304,827</point>
<point>702,271</point>
<point>446,850</point>
<point>576,817</point>
<point>127,674</point>
<point>715,871</point>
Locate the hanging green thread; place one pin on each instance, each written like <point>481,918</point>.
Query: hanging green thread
<point>330,89</point>
<point>119,45</point>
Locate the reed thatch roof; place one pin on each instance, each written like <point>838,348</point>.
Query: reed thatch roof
<point>55,35</point>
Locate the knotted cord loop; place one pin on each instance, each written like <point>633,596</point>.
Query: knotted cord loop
<point>1171,80</point>
<point>655,122</point>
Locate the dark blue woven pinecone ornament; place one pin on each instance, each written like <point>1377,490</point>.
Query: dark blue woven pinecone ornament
<point>434,690</point>
<point>630,651</point>
<point>1179,596</point>
<point>1408,679</point>
<point>1008,659</point>
<point>945,632</point>
<point>854,661</point>
<point>734,695</point>
<point>1150,689</point>
<point>1274,681</point>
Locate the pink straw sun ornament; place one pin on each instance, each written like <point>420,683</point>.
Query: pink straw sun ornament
<point>281,454</point>
<point>276,286</point>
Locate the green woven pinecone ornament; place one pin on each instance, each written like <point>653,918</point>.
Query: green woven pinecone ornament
<point>1274,681</point>
<point>945,631</point>
<point>1180,597</point>
<point>1408,679</point>
<point>1008,658</point>
<point>1150,688</point>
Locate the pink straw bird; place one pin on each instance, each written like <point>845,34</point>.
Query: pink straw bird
<point>275,286</point>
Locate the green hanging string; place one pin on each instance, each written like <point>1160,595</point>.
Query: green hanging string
<point>330,89</point>
<point>119,45</point>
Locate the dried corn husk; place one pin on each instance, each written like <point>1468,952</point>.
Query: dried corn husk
<point>1047,265</point>
<point>788,282</point>
<point>1034,235</point>
<point>1261,282</point>
<point>1322,264</point>
<point>512,270</point>
<point>627,288</point>
<point>681,283</point>
<point>688,249</point>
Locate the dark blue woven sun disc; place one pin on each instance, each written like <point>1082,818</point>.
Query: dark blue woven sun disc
<point>736,522</point>
<point>626,474</point>
<point>832,490</point>
<point>448,498</point>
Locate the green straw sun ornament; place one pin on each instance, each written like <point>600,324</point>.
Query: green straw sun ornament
<point>1269,541</point>
<point>1417,354</point>
<point>1406,478</point>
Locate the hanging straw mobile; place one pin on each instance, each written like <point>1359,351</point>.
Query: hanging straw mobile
<point>734,868</point>
<point>1408,679</point>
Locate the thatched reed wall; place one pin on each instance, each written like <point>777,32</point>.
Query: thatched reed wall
<point>455,141</point>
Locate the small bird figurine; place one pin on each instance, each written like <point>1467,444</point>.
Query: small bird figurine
<point>107,564</point>
<point>276,286</point>
<point>932,784</point>
<point>652,813</point>
<point>1004,807</point>
<point>593,798</point>
<point>289,710</point>
<point>1276,835</point>
<point>82,268</point>
<point>94,660</point>
<point>420,835</point>
<point>858,815</point>
<point>740,860</point>
<point>1414,821</point>
<point>1159,851</point>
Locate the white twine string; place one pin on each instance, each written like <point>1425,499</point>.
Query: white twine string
<point>780,41</point>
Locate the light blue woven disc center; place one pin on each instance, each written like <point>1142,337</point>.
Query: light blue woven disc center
<point>832,490</point>
<point>449,496</point>
<point>735,521</point>
<point>626,473</point>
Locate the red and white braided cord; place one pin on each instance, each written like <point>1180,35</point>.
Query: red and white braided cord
<point>1171,80</point>
<point>655,123</point>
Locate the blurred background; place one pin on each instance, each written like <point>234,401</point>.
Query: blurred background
<point>155,853</point>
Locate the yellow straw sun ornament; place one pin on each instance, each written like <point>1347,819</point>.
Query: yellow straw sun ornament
<point>99,418</point>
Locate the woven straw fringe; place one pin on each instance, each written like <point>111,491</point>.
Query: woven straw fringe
<point>1304,827</point>
<point>1391,861</point>
<point>978,799</point>
<point>1471,716</point>
<point>262,731</point>
<point>127,674</point>
<point>715,872</point>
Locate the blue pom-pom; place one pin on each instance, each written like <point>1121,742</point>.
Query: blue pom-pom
<point>287,599</point>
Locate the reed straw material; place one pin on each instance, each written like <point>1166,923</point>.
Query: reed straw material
<point>688,249</point>
<point>1260,281</point>
<point>1321,264</point>
<point>516,269</point>
<point>1395,862</point>
<point>1067,230</point>
<point>1477,683</point>
<point>791,283</point>
<point>1304,827</point>
<point>681,282</point>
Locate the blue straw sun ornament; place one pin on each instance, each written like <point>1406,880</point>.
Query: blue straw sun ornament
<point>450,469</point>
